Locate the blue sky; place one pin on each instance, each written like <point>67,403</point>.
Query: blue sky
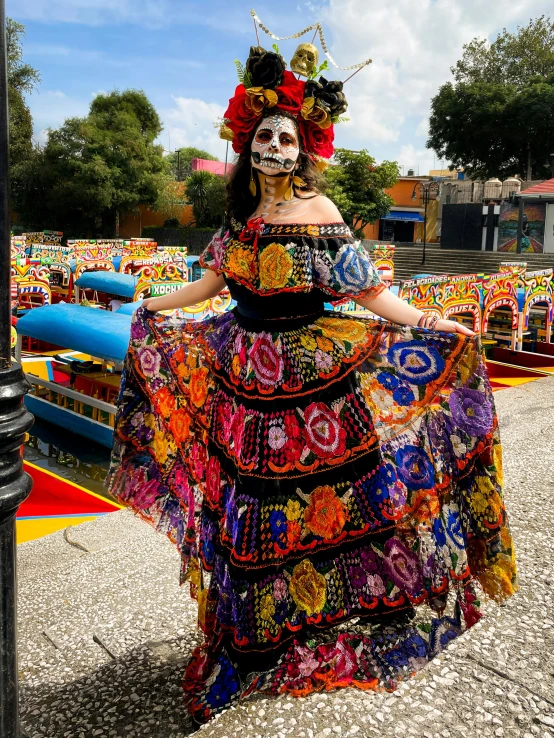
<point>181,54</point>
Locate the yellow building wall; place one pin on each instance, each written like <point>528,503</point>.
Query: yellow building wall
<point>402,193</point>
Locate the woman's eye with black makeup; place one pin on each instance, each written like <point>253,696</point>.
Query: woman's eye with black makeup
<point>264,136</point>
<point>286,139</point>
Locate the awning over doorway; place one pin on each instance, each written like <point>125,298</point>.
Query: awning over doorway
<point>406,215</point>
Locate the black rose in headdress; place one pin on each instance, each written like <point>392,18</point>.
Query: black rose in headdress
<point>329,95</point>
<point>264,68</point>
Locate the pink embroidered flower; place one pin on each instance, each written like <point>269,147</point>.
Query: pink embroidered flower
<point>279,589</point>
<point>323,431</point>
<point>149,361</point>
<point>375,584</point>
<point>341,657</point>
<point>277,437</point>
<point>146,494</point>
<point>237,429</point>
<point>213,479</point>
<point>323,360</point>
<point>307,664</point>
<point>266,360</point>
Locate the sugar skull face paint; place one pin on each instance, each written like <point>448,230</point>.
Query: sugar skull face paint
<point>275,148</point>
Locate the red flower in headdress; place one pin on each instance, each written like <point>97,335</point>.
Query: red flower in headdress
<point>291,94</point>
<point>316,140</point>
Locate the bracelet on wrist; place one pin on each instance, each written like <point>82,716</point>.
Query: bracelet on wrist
<point>428,321</point>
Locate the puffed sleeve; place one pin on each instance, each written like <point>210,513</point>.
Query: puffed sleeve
<point>212,255</point>
<point>345,270</point>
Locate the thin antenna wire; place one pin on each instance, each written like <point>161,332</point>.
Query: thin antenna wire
<point>256,29</point>
<point>354,74</point>
<point>315,34</point>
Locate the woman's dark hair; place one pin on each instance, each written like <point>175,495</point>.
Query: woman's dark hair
<point>240,202</point>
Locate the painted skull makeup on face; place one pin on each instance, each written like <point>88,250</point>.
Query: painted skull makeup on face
<point>275,147</point>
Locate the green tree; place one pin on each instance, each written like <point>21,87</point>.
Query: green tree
<point>512,58</point>
<point>356,184</point>
<point>93,168</point>
<point>495,129</point>
<point>207,195</point>
<point>181,160</point>
<point>497,118</point>
<point>22,79</point>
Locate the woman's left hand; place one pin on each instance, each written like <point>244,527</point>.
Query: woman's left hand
<point>451,326</point>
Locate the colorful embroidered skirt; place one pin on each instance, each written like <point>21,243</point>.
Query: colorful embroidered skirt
<point>334,488</point>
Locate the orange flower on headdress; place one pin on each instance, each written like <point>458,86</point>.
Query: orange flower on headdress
<point>313,112</point>
<point>257,99</point>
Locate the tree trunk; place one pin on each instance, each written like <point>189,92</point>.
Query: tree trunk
<point>117,223</point>
<point>529,175</point>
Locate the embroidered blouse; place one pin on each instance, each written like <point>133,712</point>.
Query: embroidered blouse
<point>317,262</point>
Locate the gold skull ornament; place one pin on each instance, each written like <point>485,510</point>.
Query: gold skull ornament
<point>305,60</point>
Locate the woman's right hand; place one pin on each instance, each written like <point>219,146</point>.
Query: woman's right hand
<point>149,305</point>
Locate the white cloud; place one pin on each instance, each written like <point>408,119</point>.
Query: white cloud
<point>190,122</point>
<point>413,47</point>
<point>50,109</point>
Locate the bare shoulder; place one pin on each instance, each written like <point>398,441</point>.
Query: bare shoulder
<point>322,210</point>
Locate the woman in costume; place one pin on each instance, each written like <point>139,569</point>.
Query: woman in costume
<point>333,482</point>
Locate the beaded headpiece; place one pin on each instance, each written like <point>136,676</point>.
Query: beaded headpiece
<point>266,86</point>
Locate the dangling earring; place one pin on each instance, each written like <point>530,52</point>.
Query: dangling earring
<point>289,192</point>
<point>295,181</point>
<point>252,186</point>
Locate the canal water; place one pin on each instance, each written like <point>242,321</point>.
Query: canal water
<point>68,455</point>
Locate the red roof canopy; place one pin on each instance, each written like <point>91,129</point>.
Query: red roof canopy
<point>543,188</point>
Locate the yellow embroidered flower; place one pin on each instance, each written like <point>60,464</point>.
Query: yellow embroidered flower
<point>275,266</point>
<point>344,329</point>
<point>293,510</point>
<point>479,502</point>
<point>312,230</point>
<point>308,588</point>
<point>150,421</point>
<point>497,461</point>
<point>235,365</point>
<point>241,263</point>
<point>160,447</point>
<point>267,607</point>
<point>485,485</point>
<point>308,341</point>
<point>325,344</point>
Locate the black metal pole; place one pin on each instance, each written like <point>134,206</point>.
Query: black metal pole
<point>15,485</point>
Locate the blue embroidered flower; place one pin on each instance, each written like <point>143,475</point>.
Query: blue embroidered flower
<point>415,646</point>
<point>225,687</point>
<point>442,632</point>
<point>397,657</point>
<point>454,528</point>
<point>403,395</point>
<point>415,468</point>
<point>416,362</point>
<point>438,532</point>
<point>278,525</point>
<point>388,380</point>
<point>353,269</point>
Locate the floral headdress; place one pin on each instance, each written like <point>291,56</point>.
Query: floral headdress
<point>266,85</point>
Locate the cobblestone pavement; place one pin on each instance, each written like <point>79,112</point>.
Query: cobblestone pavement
<point>105,632</point>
